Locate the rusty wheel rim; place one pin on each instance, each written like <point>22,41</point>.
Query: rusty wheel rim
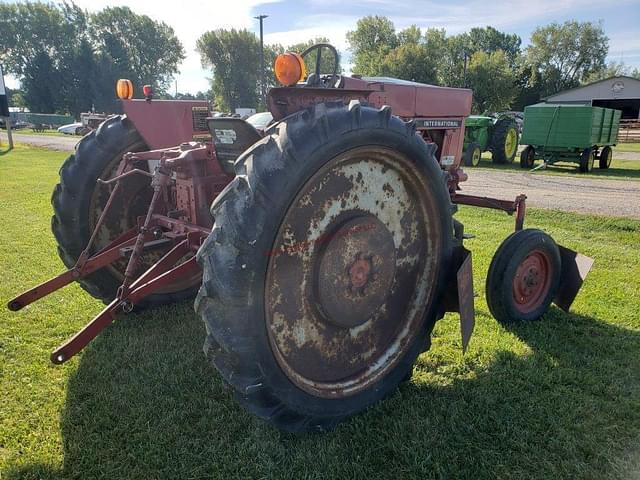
<point>532,281</point>
<point>351,271</point>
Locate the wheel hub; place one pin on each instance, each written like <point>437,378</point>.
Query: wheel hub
<point>511,143</point>
<point>355,271</point>
<point>531,281</point>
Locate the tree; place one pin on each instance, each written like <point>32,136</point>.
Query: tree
<point>35,46</point>
<point>15,98</point>
<point>489,40</point>
<point>67,60</point>
<point>564,55</point>
<point>411,61</point>
<point>141,49</point>
<point>411,35</point>
<point>612,69</point>
<point>455,52</point>
<point>234,56</point>
<point>492,80</point>
<point>373,38</point>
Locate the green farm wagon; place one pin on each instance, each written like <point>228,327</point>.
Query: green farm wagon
<point>569,133</point>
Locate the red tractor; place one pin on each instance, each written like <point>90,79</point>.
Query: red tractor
<point>329,251</point>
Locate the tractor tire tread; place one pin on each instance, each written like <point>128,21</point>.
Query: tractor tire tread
<point>500,130</point>
<point>244,215</point>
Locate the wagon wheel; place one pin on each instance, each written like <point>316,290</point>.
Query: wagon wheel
<point>528,157</point>
<point>523,277</point>
<point>472,155</point>
<point>324,269</point>
<point>605,158</point>
<point>587,158</point>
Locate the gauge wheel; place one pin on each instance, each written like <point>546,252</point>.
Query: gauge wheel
<point>523,277</point>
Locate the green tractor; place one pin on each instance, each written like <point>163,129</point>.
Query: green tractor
<point>496,134</point>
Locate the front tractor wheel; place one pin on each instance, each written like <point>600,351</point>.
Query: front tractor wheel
<point>472,155</point>
<point>523,277</point>
<point>325,266</point>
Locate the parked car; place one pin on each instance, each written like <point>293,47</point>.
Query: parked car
<point>71,128</point>
<point>260,121</point>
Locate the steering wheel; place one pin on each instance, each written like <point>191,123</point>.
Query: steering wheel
<point>314,79</point>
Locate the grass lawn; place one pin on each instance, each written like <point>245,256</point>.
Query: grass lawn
<point>48,133</point>
<point>627,147</point>
<point>619,169</point>
<point>555,399</point>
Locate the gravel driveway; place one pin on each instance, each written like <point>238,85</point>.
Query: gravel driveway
<point>52,142</point>
<point>598,196</point>
<point>582,195</point>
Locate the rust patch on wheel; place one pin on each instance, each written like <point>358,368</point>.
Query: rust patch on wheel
<point>532,281</point>
<point>351,272</point>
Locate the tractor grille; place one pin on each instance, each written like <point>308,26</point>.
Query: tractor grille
<point>199,116</point>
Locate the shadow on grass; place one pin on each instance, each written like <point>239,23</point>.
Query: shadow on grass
<point>144,404</point>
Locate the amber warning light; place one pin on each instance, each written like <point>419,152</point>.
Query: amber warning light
<point>124,89</point>
<point>289,68</point>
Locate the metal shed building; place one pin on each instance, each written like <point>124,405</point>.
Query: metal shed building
<point>621,93</point>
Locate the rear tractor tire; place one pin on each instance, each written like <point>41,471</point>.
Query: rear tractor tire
<point>472,155</point>
<point>504,141</point>
<point>606,156</point>
<point>78,201</point>
<point>523,277</point>
<point>324,271</point>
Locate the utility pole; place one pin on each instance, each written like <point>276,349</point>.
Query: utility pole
<point>464,73</point>
<point>262,82</point>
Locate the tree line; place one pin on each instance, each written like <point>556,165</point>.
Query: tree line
<point>67,60</point>
<point>502,74</point>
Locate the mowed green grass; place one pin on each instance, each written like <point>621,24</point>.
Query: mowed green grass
<point>29,131</point>
<point>559,398</point>
<point>620,169</point>
<point>628,147</point>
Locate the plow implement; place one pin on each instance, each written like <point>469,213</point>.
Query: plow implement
<point>177,239</point>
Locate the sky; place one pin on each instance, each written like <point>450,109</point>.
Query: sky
<point>292,21</point>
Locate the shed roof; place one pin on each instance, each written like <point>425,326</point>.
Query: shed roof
<point>618,87</point>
